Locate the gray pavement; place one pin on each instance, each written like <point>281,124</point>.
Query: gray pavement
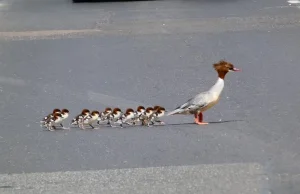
<point>93,55</point>
<point>202,179</point>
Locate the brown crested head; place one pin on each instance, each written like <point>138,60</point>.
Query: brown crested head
<point>140,108</point>
<point>85,111</point>
<point>129,110</point>
<point>107,110</point>
<point>161,109</point>
<point>56,110</point>
<point>156,108</point>
<point>95,113</point>
<point>149,109</point>
<point>116,110</point>
<point>223,67</point>
<point>64,111</point>
<point>57,115</point>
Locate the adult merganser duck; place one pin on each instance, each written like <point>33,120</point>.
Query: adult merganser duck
<point>205,100</point>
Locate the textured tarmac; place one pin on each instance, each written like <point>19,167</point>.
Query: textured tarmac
<point>93,55</point>
<point>235,178</point>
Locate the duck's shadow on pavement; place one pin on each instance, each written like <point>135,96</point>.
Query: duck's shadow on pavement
<point>213,122</point>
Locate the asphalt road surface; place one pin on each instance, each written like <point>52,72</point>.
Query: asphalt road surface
<point>56,54</point>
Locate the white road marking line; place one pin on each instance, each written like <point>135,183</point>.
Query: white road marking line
<point>47,33</point>
<point>276,7</point>
<point>223,24</point>
<point>2,4</point>
<point>294,1</point>
<point>5,4</point>
<point>12,81</point>
<point>209,179</point>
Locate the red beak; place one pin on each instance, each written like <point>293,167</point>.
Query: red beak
<point>236,69</point>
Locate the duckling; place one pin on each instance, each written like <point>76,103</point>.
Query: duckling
<point>104,116</point>
<point>127,117</point>
<point>79,118</point>
<point>114,116</point>
<point>89,120</point>
<point>55,119</point>
<point>139,111</point>
<point>158,113</point>
<point>145,117</point>
<point>43,122</point>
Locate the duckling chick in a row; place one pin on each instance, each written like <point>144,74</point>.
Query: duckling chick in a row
<point>158,113</point>
<point>104,116</point>
<point>139,111</point>
<point>127,118</point>
<point>80,117</point>
<point>146,116</point>
<point>56,118</point>
<point>90,119</point>
<point>115,116</point>
<point>55,115</point>
<point>50,115</point>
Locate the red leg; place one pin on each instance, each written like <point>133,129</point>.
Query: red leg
<point>199,119</point>
<point>196,117</point>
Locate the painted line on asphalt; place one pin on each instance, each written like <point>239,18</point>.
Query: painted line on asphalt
<point>3,5</point>
<point>294,2</point>
<point>12,81</point>
<point>47,34</point>
<point>193,25</point>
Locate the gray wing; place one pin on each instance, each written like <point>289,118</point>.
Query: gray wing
<point>193,104</point>
<point>197,102</point>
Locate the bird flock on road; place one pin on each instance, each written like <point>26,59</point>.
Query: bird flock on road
<point>151,115</point>
<point>111,117</point>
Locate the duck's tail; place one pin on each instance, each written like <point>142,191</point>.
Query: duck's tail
<point>176,111</point>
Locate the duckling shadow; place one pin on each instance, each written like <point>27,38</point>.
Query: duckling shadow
<point>133,126</point>
<point>6,187</point>
<point>228,121</point>
<point>213,122</point>
<point>57,129</point>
